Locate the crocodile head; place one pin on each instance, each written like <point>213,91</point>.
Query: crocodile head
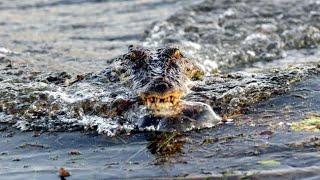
<point>155,84</point>
<point>161,78</point>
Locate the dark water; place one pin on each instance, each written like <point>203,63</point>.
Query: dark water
<point>81,36</point>
<point>255,145</point>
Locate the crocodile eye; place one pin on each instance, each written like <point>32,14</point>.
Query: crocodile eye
<point>136,55</point>
<point>132,56</point>
<point>171,52</point>
<point>176,54</point>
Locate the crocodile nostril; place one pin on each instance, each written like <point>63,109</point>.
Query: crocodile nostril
<point>162,87</point>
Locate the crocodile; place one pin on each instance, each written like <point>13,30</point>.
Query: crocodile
<point>143,89</point>
<point>158,82</point>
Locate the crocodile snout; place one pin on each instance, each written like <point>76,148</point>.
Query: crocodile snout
<point>162,97</point>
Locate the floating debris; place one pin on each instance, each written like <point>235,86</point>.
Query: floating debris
<point>63,173</point>
<point>25,145</point>
<point>74,152</point>
<point>266,133</point>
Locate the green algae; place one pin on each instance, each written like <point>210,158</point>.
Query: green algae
<point>269,162</point>
<point>311,124</point>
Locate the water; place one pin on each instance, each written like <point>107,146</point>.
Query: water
<point>81,36</point>
<point>228,34</point>
<point>240,149</point>
<point>77,36</point>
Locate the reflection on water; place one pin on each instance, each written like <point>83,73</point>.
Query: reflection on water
<point>166,144</point>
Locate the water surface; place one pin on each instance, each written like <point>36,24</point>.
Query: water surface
<point>80,36</point>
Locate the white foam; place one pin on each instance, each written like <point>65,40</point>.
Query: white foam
<point>5,51</point>
<point>22,125</point>
<point>255,37</point>
<point>4,118</point>
<point>71,97</point>
<point>228,13</point>
<point>209,65</point>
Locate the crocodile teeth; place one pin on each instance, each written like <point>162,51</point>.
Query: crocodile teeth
<point>158,103</point>
<point>163,102</point>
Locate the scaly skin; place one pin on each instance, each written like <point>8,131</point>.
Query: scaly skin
<point>158,81</point>
<point>159,78</point>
